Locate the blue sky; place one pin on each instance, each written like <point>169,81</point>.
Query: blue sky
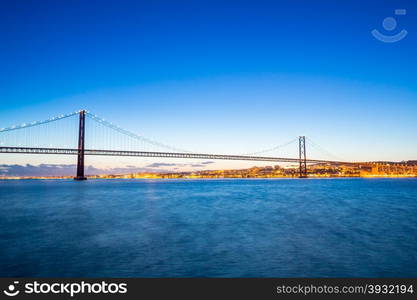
<point>217,76</point>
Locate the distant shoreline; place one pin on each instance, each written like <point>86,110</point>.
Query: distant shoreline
<point>208,178</point>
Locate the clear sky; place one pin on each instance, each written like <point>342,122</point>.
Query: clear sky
<point>217,76</point>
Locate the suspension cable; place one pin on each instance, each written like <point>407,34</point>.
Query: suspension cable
<point>324,150</point>
<point>131,134</point>
<point>272,149</point>
<point>26,125</point>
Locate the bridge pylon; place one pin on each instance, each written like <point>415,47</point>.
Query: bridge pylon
<point>81,143</point>
<point>302,156</point>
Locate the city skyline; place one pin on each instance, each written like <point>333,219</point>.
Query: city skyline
<point>216,77</point>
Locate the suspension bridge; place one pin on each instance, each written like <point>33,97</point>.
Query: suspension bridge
<point>27,139</point>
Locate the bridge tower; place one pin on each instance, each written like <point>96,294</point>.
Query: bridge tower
<point>302,156</point>
<point>81,139</point>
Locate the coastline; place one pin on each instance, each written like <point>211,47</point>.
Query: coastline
<point>209,178</point>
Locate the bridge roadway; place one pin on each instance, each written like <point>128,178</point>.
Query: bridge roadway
<point>68,151</point>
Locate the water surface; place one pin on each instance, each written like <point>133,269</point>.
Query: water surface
<point>209,228</point>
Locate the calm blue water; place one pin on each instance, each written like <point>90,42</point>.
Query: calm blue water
<point>209,228</point>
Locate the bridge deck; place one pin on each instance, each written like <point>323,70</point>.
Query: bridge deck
<point>68,151</point>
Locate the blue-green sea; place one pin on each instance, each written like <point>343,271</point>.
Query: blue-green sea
<point>209,228</point>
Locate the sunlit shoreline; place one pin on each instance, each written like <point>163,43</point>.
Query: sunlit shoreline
<point>314,171</point>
